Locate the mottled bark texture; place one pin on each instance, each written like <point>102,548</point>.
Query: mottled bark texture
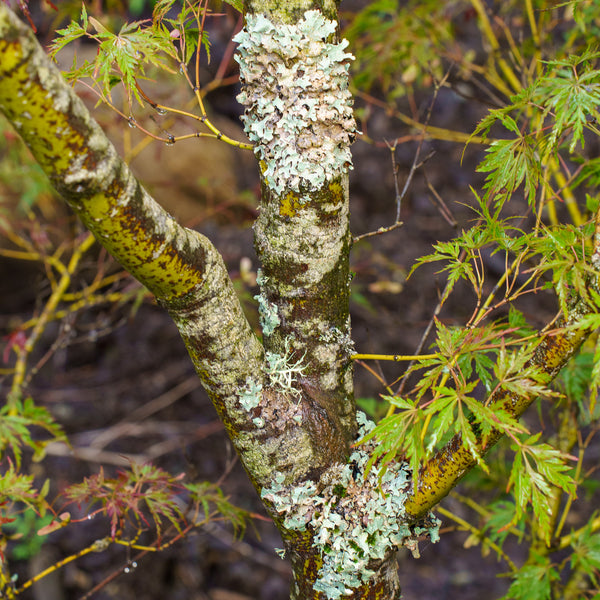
<point>288,406</point>
<point>302,238</point>
<point>291,11</point>
<point>179,266</point>
<point>298,430</point>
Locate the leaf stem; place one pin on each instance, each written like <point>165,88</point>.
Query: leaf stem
<point>394,357</point>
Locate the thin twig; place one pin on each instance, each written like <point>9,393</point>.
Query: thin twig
<point>441,205</point>
<point>416,164</point>
<point>427,331</point>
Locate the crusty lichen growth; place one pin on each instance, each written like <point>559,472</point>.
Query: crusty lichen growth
<point>267,311</point>
<point>298,106</point>
<point>298,113</point>
<point>356,518</point>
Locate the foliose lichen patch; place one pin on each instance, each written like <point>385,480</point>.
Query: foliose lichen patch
<point>269,317</point>
<point>251,395</point>
<point>298,106</point>
<point>356,518</point>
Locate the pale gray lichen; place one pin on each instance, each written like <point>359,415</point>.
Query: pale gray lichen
<point>298,106</point>
<point>356,518</point>
<point>267,311</point>
<point>251,395</point>
<point>340,339</point>
<point>283,370</point>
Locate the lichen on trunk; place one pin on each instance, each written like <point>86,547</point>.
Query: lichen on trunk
<point>287,402</point>
<point>298,114</point>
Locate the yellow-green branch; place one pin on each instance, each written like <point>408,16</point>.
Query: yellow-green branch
<point>443,471</point>
<point>179,266</point>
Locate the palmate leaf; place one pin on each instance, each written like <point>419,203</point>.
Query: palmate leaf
<point>17,494</point>
<point>210,499</point>
<point>510,162</point>
<point>518,104</point>
<point>538,468</point>
<point>237,4</point>
<point>448,412</point>
<point>586,553</point>
<point>498,514</point>
<point>450,252</point>
<point>518,322</point>
<point>17,419</point>
<point>125,56</point>
<point>561,250</point>
<point>127,53</point>
<point>571,96</point>
<point>493,418</point>
<point>580,379</point>
<point>126,496</point>
<point>533,581</point>
<point>516,376</point>
<point>399,435</point>
<point>72,32</point>
<point>18,488</point>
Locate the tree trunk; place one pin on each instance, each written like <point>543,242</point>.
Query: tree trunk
<point>287,402</point>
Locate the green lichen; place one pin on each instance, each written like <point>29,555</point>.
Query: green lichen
<point>356,518</point>
<point>267,311</point>
<point>251,395</point>
<point>298,106</point>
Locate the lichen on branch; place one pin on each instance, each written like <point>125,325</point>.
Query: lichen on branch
<point>179,266</point>
<point>298,106</point>
<point>356,516</point>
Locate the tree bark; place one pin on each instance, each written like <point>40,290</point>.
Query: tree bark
<point>286,401</point>
<point>292,414</point>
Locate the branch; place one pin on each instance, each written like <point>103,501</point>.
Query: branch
<point>179,266</point>
<point>299,117</point>
<point>445,469</point>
